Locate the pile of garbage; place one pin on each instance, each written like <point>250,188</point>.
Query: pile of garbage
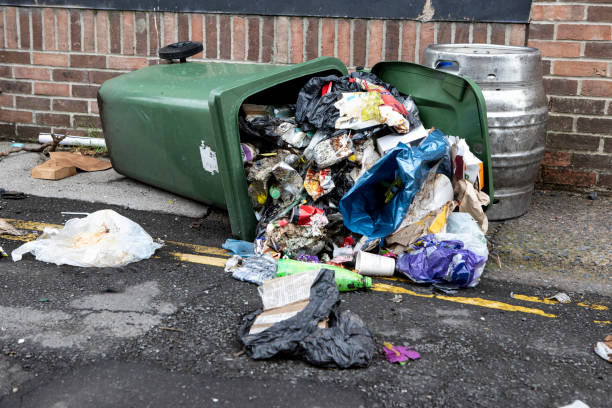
<point>348,181</point>
<point>350,177</point>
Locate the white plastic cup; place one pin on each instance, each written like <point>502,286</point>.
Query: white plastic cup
<point>374,265</point>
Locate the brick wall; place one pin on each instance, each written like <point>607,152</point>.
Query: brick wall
<point>52,61</point>
<point>575,41</point>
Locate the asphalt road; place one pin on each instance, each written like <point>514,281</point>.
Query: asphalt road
<point>162,332</point>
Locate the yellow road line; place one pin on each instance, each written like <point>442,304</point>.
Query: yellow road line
<point>32,225</point>
<point>23,238</point>
<point>535,299</point>
<point>491,304</point>
<point>602,321</point>
<point>594,307</point>
<point>201,249</point>
<point>206,260</point>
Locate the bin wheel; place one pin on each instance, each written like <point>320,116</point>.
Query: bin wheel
<point>180,50</point>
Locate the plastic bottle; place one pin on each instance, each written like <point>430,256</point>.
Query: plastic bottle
<point>345,280</point>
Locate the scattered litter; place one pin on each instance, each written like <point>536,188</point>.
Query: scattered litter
<point>576,404</point>
<point>300,318</point>
<point>17,145</point>
<point>102,239</point>
<point>374,265</point>
<point>561,297</point>
<point>20,341</point>
<point>592,196</point>
<point>255,269</point>
<point>399,354</point>
<point>238,247</point>
<point>397,299</point>
<point>604,348</point>
<point>64,164</point>
<point>43,300</point>
<point>2,252</point>
<point>8,229</point>
<point>174,329</point>
<point>345,280</point>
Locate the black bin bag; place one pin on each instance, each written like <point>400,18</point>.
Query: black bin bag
<point>345,343</point>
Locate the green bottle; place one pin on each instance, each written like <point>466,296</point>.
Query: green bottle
<point>345,280</point>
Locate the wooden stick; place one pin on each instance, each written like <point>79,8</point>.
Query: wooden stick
<point>52,145</point>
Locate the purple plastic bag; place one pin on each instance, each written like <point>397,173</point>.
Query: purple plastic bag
<point>433,261</point>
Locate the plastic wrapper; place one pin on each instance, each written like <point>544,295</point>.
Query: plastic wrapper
<point>239,247</point>
<point>345,343</point>
<point>365,157</point>
<point>302,214</point>
<point>254,269</point>
<point>413,111</point>
<point>471,201</point>
<point>296,137</point>
<point>364,209</point>
<point>102,239</point>
<point>249,152</point>
<point>331,151</point>
<point>318,183</point>
<point>283,236</point>
<point>358,110</point>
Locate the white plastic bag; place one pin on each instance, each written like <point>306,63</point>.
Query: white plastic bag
<point>102,239</point>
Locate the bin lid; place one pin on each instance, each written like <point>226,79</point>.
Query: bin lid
<point>447,102</point>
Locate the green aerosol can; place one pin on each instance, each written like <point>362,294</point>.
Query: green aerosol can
<point>345,280</point>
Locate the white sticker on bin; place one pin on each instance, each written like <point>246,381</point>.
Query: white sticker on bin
<point>209,159</point>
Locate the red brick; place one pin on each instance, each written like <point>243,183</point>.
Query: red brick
<point>568,177</point>
<point>238,38</point>
<point>70,105</point>
<point>608,145</point>
<point>75,30</point>
<point>297,39</point>
<point>427,38</point>
<point>71,131</point>
<point>32,73</point>
<point>344,41</point>
<point>127,33</point>
<point>557,13</point>
<point>30,132</point>
<point>583,32</point>
<point>6,71</point>
<point>1,28</point>
<point>328,34</point>
<point>63,25</point>
<point>87,61</point>
<point>444,32</point>
<point>55,60</point>
<point>594,125</point>
<point>87,121</point>
<point>556,49</point>
<point>605,180</point>
<point>8,130</point>
<point>102,42</point>
<point>12,36</point>
<point>114,21</point>
<point>479,33</point>
<point>498,34</point>
<point>572,141</point>
<point>596,88</point>
<point>15,116</point>
<point>574,105</point>
<point>49,29</point>
<point>140,29</point>
<point>12,86</point>
<point>600,13</point>
<point>93,107</point>
<point>556,159</point>
<point>85,91</point>
<point>154,33</point>
<point>53,119</point>
<point>580,68</point>
<point>126,62</point>
<point>99,77</point>
<point>359,38</point>
<point>197,31</point>
<point>462,33</point>
<point>169,29</point>
<point>183,27</point>
<point>211,36</point>
<point>560,123</point>
<point>14,57</point>
<point>409,37</point>
<point>592,161</point>
<point>48,88</point>
<point>37,29</point>
<point>546,67</point>
<point>392,36</point>
<point>8,101</point>
<point>598,50</point>
<point>24,28</point>
<point>267,39</point>
<point>253,35</point>
<point>541,31</point>
<point>375,42</point>
<point>517,34</point>
<point>89,31</point>
<point>33,103</point>
<point>225,37</point>
<point>70,75</point>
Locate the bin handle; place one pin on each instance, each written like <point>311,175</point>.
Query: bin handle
<point>447,65</point>
<point>180,50</point>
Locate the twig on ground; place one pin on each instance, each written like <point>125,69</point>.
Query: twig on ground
<point>51,145</point>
